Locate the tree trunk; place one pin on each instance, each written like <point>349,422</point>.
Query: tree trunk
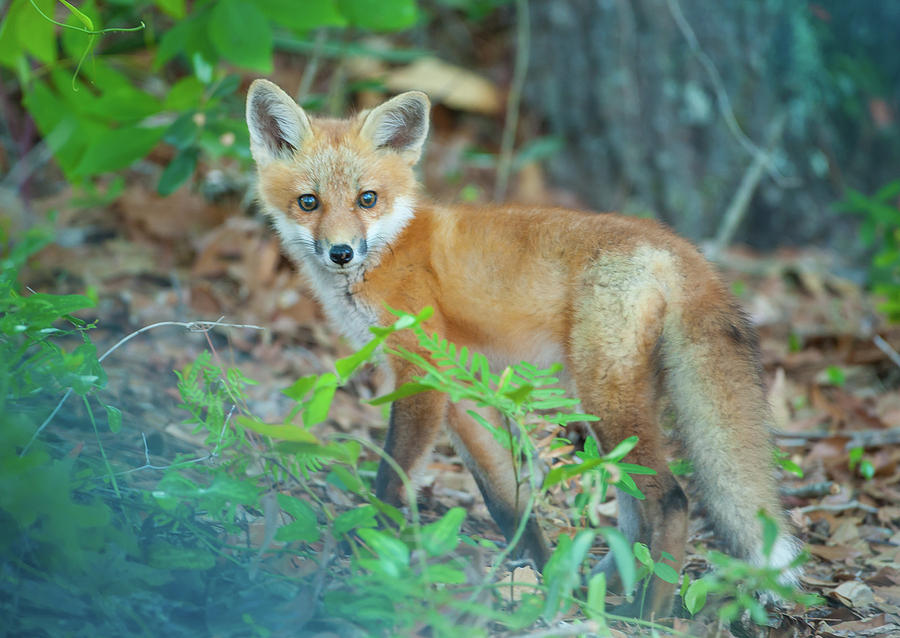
<point>644,126</point>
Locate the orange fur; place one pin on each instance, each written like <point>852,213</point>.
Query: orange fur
<point>630,308</point>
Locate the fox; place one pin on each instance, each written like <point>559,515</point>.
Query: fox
<point>634,312</point>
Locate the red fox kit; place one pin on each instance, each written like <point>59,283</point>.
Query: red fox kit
<point>632,310</point>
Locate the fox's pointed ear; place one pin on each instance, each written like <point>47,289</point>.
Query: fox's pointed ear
<point>277,125</point>
<point>400,124</point>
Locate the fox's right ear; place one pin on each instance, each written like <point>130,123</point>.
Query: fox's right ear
<point>277,124</point>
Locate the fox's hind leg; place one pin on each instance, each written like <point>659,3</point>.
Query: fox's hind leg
<point>614,361</point>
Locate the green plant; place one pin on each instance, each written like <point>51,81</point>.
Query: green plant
<point>100,106</point>
<point>430,582</point>
<point>65,528</point>
<point>650,568</point>
<point>880,231</point>
<point>75,524</point>
<point>738,580</point>
<point>857,462</point>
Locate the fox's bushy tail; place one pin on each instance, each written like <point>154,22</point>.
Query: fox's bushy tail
<point>723,416</point>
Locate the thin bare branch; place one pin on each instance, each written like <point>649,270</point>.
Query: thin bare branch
<point>838,507</point>
<point>192,326</point>
<point>723,100</point>
<point>886,348</point>
<point>514,99</point>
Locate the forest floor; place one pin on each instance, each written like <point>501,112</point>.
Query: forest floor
<point>184,258</point>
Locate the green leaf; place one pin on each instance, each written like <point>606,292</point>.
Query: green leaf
<point>666,572</point>
<point>770,532</point>
<point>346,366</point>
<point>178,171</point>
<point>348,481</point>
<point>565,472</point>
<point>866,469</point>
<point>301,387</point>
<point>627,485</point>
<point>393,554</point>
<point>632,468</point>
<point>681,467</point>
<point>83,18</point>
<point>183,132</point>
<point>174,8</point>
<point>836,376</point>
<point>379,15</point>
<point>520,394</point>
<point>114,418</point>
<point>442,536</point>
<point>320,403</point>
<point>283,432</point>
<point>24,29</point>
<point>622,555</point>
<point>66,136</point>
<point>185,94</point>
<point>314,14</point>
<point>406,390</point>
<point>596,597</point>
<point>166,556</point>
<point>84,370</point>
<point>562,573</point>
<point>363,516</point>
<point>445,573</point>
<point>114,149</point>
<point>305,527</point>
<point>231,490</point>
<point>623,448</point>
<point>642,553</point>
<point>695,596</point>
<point>241,34</point>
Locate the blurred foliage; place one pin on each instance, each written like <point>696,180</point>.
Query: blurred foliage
<point>880,232</point>
<point>169,82</point>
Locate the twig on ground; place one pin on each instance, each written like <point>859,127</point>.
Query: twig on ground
<point>887,349</point>
<point>514,99</point>
<point>860,438</point>
<point>874,438</point>
<point>192,326</point>
<point>149,466</point>
<point>575,629</point>
<point>838,507</point>
<point>822,488</point>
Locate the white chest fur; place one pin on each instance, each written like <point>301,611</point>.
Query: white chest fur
<point>347,313</point>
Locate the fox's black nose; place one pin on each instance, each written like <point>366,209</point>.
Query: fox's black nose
<point>340,254</point>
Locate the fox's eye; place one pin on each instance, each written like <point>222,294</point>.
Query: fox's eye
<point>368,199</point>
<point>308,202</point>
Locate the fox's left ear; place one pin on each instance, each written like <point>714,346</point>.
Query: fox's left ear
<point>400,124</point>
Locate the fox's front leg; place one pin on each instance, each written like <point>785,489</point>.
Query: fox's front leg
<point>505,491</point>
<point>415,422</point>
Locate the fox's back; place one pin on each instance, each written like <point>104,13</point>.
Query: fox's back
<point>516,274</point>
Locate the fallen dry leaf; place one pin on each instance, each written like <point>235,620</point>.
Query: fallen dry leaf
<point>451,85</point>
<point>854,594</point>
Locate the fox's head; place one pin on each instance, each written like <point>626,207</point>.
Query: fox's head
<point>338,191</point>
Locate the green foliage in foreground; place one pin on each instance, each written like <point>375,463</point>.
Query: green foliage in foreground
<point>92,548</point>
